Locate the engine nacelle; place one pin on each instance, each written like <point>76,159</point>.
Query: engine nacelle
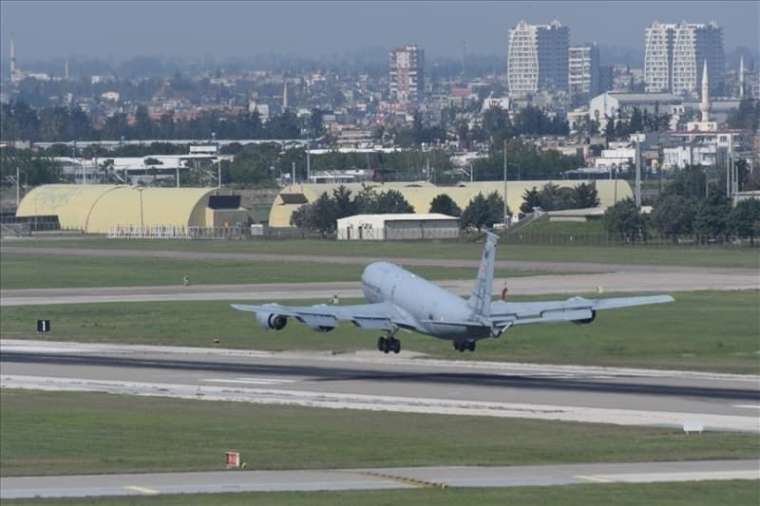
<point>586,321</point>
<point>272,321</point>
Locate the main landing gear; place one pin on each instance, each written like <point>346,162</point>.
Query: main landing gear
<point>464,345</point>
<point>388,344</point>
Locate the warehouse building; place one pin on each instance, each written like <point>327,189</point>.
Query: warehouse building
<point>104,209</point>
<point>410,226</point>
<point>420,194</point>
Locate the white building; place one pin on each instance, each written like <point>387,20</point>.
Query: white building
<point>674,55</point>
<point>583,72</point>
<point>537,57</point>
<point>611,104</point>
<point>387,227</point>
<point>406,73</point>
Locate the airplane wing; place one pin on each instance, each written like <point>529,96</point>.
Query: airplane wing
<point>380,316</point>
<point>578,309</point>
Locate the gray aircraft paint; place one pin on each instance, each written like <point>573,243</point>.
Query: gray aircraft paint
<point>399,299</point>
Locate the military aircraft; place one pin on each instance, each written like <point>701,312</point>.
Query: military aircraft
<point>399,299</point>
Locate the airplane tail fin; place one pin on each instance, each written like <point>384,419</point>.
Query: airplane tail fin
<point>480,299</point>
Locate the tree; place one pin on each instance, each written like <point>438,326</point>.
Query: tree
<point>323,216</point>
<point>585,196</point>
<point>344,204</point>
<point>745,219</point>
<point>531,200</point>
<point>711,220</point>
<point>624,220</point>
<point>444,204</point>
<point>484,211</point>
<point>392,202</point>
<point>673,216</point>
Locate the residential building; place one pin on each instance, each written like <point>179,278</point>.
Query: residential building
<point>674,55</point>
<point>612,104</point>
<point>537,58</point>
<point>406,72</point>
<point>583,72</point>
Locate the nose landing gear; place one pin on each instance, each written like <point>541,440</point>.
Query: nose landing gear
<point>460,346</point>
<point>388,344</point>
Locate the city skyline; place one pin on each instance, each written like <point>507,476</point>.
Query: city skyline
<point>86,29</point>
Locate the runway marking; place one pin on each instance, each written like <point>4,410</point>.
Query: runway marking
<point>408,481</point>
<point>595,479</point>
<point>747,406</point>
<point>250,381</point>
<point>142,490</point>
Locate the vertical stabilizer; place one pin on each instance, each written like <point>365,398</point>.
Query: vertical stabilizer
<point>480,299</point>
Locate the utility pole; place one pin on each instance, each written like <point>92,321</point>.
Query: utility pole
<point>218,173</point>
<point>293,172</point>
<point>18,185</point>
<point>308,165</point>
<point>506,206</point>
<point>638,174</point>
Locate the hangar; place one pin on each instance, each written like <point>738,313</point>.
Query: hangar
<point>420,194</point>
<point>409,226</point>
<point>99,208</point>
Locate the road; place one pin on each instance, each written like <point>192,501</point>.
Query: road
<point>372,479</point>
<point>534,285</point>
<point>373,381</point>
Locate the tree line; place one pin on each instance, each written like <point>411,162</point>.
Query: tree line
<point>18,121</point>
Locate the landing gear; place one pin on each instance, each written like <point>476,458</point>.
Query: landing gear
<point>460,346</point>
<point>388,344</point>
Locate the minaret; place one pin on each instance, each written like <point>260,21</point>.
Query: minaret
<point>66,70</point>
<point>704,106</point>
<point>741,77</point>
<point>285,95</point>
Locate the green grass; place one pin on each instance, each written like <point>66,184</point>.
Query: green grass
<point>715,331</point>
<point>74,433</point>
<point>42,271</point>
<point>705,493</point>
<point>545,226</point>
<point>661,255</point>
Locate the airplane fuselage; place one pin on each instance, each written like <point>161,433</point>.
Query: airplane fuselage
<point>427,303</point>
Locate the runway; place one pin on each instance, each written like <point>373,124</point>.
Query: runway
<point>373,479</point>
<point>620,282</point>
<point>372,381</point>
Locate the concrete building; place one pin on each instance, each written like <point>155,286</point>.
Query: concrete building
<point>388,227</point>
<point>407,74</point>
<point>537,58</point>
<point>104,209</point>
<point>611,104</point>
<point>674,55</point>
<point>583,73</point>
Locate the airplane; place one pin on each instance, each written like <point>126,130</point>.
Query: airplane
<point>399,299</point>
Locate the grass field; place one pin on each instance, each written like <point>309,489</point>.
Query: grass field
<point>74,433</point>
<point>715,331</point>
<point>661,255</point>
<point>38,271</point>
<point>706,493</point>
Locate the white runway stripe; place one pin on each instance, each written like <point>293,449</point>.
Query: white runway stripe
<point>249,381</point>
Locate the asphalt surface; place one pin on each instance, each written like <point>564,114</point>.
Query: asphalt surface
<point>373,479</point>
<point>373,381</point>
<point>599,284</point>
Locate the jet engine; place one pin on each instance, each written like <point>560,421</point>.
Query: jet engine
<point>272,321</point>
<point>586,321</point>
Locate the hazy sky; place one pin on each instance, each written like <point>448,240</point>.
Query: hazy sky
<point>109,29</point>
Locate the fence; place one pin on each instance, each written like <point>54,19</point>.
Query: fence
<point>175,232</point>
<point>653,240</point>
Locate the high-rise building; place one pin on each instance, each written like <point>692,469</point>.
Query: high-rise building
<point>407,76</point>
<point>583,72</point>
<point>537,57</point>
<point>675,53</point>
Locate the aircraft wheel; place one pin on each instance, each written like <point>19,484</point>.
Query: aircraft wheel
<point>396,346</point>
<point>471,346</point>
<point>380,343</point>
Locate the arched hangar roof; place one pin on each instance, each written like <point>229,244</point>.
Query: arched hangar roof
<point>96,208</point>
<point>420,194</point>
